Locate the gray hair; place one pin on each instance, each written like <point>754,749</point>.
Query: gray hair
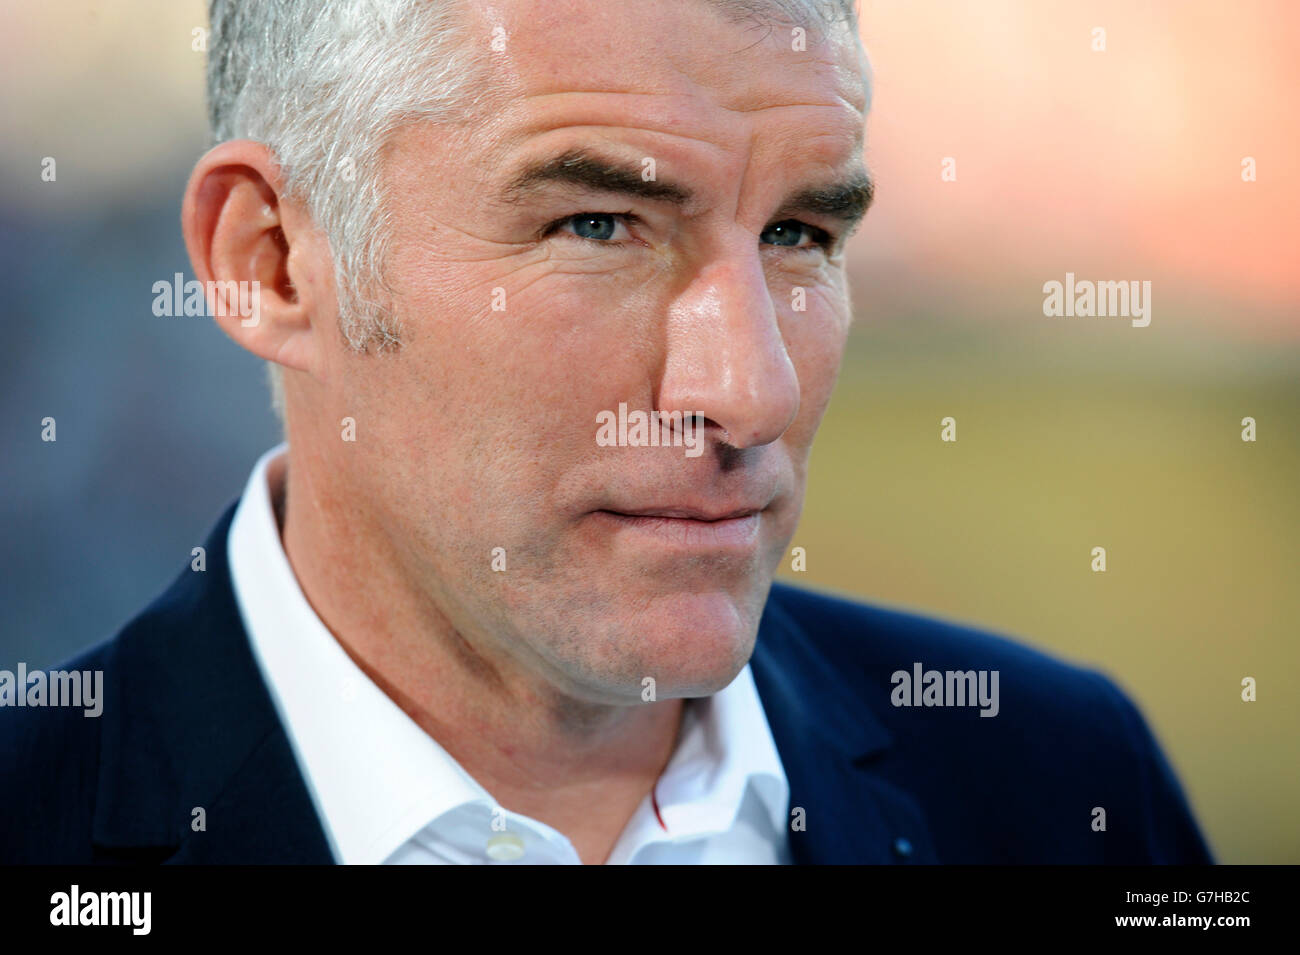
<point>325,85</point>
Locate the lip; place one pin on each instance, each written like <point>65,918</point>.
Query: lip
<point>709,515</point>
<point>689,528</point>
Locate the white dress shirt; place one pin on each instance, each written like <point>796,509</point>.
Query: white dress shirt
<point>386,792</point>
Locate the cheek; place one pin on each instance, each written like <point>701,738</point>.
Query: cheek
<point>815,340</point>
<point>526,315</point>
<point>500,401</point>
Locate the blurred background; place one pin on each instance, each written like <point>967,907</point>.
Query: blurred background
<point>1072,433</point>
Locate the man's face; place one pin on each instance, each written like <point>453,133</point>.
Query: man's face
<point>535,290</point>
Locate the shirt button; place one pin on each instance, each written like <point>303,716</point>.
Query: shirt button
<point>902,847</point>
<point>505,847</point>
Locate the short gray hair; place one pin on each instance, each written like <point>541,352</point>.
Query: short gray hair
<point>325,85</point>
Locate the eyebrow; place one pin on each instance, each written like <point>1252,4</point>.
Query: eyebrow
<point>580,168</point>
<point>847,201</point>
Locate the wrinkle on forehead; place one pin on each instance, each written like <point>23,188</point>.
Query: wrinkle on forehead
<point>642,48</point>
<point>677,79</point>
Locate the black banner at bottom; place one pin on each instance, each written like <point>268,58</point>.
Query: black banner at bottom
<point>333,904</point>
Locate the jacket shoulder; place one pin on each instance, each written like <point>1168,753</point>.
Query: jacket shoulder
<point>852,631</point>
<point>49,772</point>
<point>60,765</point>
<point>1056,741</point>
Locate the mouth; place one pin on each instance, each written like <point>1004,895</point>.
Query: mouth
<point>734,530</point>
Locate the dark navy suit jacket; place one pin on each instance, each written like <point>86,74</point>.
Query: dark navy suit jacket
<point>188,722</point>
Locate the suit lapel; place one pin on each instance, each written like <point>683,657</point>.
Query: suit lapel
<point>189,725</point>
<point>828,741</point>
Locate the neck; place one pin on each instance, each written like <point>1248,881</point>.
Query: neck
<point>580,767</point>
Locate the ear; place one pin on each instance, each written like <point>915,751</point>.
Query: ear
<point>240,228</point>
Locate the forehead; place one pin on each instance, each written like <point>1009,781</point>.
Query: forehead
<point>677,67</point>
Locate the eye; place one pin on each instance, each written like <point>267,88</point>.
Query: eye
<point>593,226</point>
<point>793,234</point>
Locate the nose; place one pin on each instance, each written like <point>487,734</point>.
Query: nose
<point>725,357</point>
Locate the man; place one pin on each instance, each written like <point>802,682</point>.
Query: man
<point>555,291</point>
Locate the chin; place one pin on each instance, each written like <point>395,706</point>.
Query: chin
<point>692,644</point>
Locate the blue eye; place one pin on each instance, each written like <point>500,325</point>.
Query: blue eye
<point>599,226</point>
<point>790,233</point>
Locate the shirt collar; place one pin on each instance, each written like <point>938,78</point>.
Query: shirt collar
<point>725,748</point>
